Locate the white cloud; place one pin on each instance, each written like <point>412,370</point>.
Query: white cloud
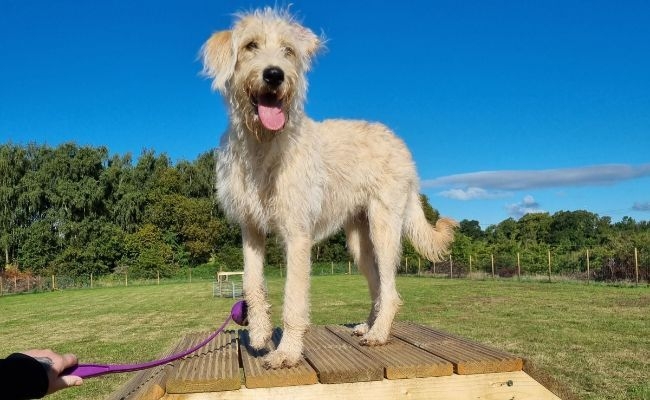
<point>594,175</point>
<point>473,193</point>
<point>527,206</point>
<point>639,206</point>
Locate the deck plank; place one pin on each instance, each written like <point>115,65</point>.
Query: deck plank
<point>468,357</point>
<point>213,368</point>
<point>148,384</point>
<point>399,359</point>
<point>417,363</point>
<point>257,376</point>
<point>337,361</point>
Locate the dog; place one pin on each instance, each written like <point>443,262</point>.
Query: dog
<point>278,170</point>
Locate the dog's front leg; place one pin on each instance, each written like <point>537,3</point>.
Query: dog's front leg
<point>296,304</point>
<point>259,310</point>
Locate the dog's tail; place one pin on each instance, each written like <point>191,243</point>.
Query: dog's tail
<point>432,242</point>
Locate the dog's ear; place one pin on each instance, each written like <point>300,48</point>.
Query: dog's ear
<point>309,42</point>
<point>219,59</point>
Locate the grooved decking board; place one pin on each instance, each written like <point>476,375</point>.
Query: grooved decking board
<point>468,357</point>
<point>344,368</point>
<point>337,361</point>
<point>212,368</point>
<point>148,384</point>
<point>399,359</point>
<point>257,376</point>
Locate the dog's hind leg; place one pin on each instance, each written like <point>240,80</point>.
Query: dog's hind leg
<point>357,233</point>
<point>295,312</point>
<point>385,232</point>
<point>259,318</point>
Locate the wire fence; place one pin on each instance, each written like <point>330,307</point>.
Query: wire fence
<point>551,267</point>
<point>579,265</point>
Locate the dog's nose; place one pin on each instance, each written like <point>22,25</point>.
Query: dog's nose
<point>273,76</point>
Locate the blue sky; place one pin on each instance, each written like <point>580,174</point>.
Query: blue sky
<point>508,106</point>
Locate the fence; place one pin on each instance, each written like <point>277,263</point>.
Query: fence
<point>484,266</point>
<point>12,281</point>
<point>577,265</point>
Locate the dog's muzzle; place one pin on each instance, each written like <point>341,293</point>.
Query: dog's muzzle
<point>268,103</point>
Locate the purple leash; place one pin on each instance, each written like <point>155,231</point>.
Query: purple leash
<point>237,314</point>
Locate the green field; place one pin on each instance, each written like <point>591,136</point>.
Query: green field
<point>593,340</point>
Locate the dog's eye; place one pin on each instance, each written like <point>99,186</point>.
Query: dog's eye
<point>252,45</point>
<point>289,52</point>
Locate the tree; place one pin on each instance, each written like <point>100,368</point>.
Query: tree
<point>40,244</point>
<point>573,229</point>
<point>471,229</point>
<point>147,253</point>
<point>13,166</point>
<point>190,224</point>
<point>430,213</point>
<point>533,229</point>
<point>77,210</point>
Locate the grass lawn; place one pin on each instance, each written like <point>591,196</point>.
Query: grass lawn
<point>593,339</point>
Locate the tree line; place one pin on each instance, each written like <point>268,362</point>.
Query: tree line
<point>77,210</point>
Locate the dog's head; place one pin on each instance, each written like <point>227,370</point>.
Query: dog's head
<point>260,65</point>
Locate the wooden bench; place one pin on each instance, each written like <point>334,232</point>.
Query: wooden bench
<point>418,363</point>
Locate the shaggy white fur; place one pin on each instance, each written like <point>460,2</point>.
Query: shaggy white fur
<point>278,170</point>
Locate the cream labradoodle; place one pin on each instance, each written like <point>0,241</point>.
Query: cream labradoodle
<point>278,170</point>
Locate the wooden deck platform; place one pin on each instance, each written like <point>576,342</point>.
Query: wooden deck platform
<point>418,363</point>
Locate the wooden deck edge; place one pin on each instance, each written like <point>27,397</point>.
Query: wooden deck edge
<point>517,385</point>
<point>141,386</point>
<point>553,385</point>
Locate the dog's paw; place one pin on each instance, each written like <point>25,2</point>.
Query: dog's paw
<point>372,339</point>
<point>280,359</point>
<point>260,341</point>
<point>360,330</point>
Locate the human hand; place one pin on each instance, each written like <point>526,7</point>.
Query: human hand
<point>56,364</point>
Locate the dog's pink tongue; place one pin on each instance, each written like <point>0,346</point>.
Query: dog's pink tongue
<point>271,116</point>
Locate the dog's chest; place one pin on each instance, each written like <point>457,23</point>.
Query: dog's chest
<point>251,188</point>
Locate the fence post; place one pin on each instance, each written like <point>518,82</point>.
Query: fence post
<point>158,277</point>
<point>492,258</point>
<point>419,260</point>
<point>53,283</point>
<point>349,267</point>
<point>587,266</point>
<point>332,268</point>
<point>636,265</point>
<point>91,280</point>
<point>549,265</point>
<point>518,267</point>
<point>126,278</point>
<point>15,284</point>
<point>190,275</point>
